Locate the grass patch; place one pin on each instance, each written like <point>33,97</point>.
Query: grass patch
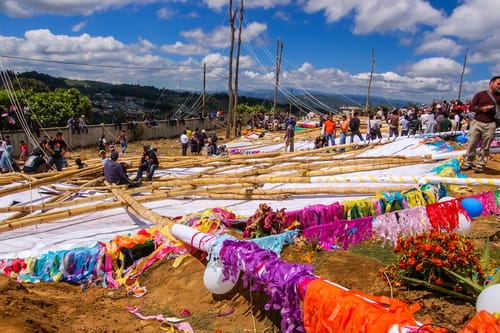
<point>375,251</point>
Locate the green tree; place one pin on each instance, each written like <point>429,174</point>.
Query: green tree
<point>244,108</point>
<point>54,108</point>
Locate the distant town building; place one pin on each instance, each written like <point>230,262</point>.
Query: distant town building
<point>349,110</point>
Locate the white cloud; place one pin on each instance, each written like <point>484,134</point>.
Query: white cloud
<point>183,49</point>
<point>334,10</point>
<point>131,62</point>
<point>422,81</point>
<point>378,15</point>
<point>266,4</point>
<point>200,42</point>
<point>473,20</point>
<point>27,8</point>
<point>441,46</point>
<point>282,15</point>
<point>391,15</point>
<point>435,67</point>
<point>146,45</point>
<point>14,8</point>
<point>165,14</point>
<point>78,27</point>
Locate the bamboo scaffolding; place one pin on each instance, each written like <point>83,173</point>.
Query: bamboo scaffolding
<point>70,212</point>
<point>237,177</point>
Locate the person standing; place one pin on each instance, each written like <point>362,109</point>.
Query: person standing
<point>330,128</point>
<point>117,123</point>
<point>122,138</point>
<point>354,125</point>
<point>184,143</point>
<point>445,124</point>
<point>486,105</point>
<point>101,144</point>
<point>23,150</point>
<point>393,123</point>
<point>405,121</point>
<point>56,149</point>
<point>289,137</point>
<point>344,129</point>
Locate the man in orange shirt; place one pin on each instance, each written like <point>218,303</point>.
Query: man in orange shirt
<point>329,126</point>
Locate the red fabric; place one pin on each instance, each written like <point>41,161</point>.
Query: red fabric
<point>444,215</point>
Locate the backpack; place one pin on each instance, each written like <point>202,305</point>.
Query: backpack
<point>354,124</point>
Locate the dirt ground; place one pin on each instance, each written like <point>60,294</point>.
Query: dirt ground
<point>61,307</point>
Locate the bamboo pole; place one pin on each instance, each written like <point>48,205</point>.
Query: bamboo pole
<point>51,205</point>
<point>127,199</point>
<point>61,175</point>
<point>352,190</point>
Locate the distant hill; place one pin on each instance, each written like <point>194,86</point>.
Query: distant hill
<point>334,101</point>
<point>122,99</point>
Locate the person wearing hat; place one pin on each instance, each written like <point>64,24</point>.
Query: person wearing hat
<point>115,174</point>
<point>149,163</point>
<point>102,155</point>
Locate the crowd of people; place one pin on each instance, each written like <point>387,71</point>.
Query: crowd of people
<point>480,116</point>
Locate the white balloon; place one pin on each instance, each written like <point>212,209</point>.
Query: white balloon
<point>212,278</point>
<point>488,299</point>
<point>443,199</point>
<point>464,225</point>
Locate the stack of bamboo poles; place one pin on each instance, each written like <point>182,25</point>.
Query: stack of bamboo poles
<point>224,177</point>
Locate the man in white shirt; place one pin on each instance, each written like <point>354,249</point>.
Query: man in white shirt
<point>184,142</point>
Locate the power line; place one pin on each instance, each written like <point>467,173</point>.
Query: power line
<point>98,65</point>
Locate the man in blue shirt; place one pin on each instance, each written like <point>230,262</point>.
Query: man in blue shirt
<point>115,174</point>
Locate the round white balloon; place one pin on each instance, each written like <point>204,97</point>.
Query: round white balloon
<point>488,299</point>
<point>464,225</point>
<point>212,278</point>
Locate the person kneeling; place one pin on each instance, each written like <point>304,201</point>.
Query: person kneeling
<point>115,174</point>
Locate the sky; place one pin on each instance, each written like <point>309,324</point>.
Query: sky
<point>419,46</point>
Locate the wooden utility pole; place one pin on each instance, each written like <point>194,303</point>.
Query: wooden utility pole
<point>204,89</point>
<point>462,76</point>
<point>370,83</point>
<point>232,15</point>
<point>236,74</point>
<point>279,53</point>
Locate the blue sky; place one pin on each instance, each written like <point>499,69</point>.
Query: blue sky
<point>419,45</point>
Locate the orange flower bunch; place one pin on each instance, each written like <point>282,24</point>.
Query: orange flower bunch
<point>437,258</point>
